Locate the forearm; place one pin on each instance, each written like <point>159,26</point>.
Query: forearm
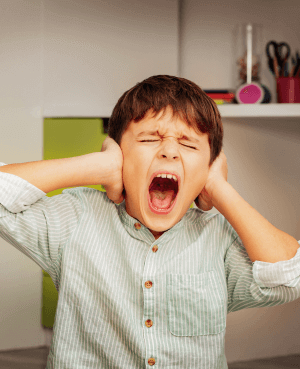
<point>50,175</point>
<point>262,240</point>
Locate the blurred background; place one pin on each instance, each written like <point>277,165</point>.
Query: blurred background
<point>63,66</point>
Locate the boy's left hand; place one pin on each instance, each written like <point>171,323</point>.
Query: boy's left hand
<point>216,176</point>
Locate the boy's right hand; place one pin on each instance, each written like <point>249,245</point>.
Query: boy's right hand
<point>113,183</point>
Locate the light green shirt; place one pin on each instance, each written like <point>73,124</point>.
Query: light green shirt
<point>122,304</point>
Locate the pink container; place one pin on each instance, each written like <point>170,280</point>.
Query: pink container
<point>288,90</point>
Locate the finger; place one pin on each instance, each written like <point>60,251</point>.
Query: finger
<point>203,204</point>
<point>115,194</point>
<point>105,143</point>
<point>116,199</point>
<point>205,200</point>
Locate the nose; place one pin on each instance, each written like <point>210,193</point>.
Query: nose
<point>169,150</point>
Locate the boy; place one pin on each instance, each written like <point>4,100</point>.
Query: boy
<point>147,282</point>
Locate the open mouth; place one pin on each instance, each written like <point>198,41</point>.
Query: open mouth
<point>162,194</point>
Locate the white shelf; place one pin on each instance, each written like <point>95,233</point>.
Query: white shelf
<point>259,110</point>
<point>226,111</point>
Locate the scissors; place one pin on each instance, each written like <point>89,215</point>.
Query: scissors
<point>297,64</point>
<point>277,59</point>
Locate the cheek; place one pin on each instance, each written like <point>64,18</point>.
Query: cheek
<point>135,170</point>
<point>129,172</point>
<point>198,176</point>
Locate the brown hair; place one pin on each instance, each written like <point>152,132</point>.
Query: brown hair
<point>188,101</point>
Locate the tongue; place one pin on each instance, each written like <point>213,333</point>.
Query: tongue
<point>161,199</point>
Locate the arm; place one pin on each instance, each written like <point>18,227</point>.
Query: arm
<point>259,284</point>
<point>91,169</point>
<point>262,240</point>
<point>39,226</point>
<point>49,175</point>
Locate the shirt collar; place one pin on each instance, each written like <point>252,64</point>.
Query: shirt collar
<point>137,230</point>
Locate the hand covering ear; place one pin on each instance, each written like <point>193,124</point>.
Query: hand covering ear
<point>217,174</point>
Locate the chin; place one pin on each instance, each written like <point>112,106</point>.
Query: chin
<point>158,225</point>
<point>158,221</point>
<point>162,222</point>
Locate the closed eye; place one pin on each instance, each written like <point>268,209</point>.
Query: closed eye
<point>149,140</point>
<point>191,147</point>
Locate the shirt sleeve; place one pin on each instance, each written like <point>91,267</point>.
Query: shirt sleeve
<point>37,225</point>
<point>259,284</point>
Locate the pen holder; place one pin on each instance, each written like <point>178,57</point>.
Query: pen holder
<point>288,90</point>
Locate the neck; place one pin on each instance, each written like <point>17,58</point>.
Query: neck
<point>156,234</point>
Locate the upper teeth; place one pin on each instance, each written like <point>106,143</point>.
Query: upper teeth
<point>162,175</point>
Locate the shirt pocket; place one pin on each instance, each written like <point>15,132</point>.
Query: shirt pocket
<point>196,304</point>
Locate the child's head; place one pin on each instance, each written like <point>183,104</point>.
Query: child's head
<point>186,99</point>
<point>165,125</point>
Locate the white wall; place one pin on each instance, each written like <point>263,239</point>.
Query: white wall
<point>264,167</point>
<point>21,140</point>
<point>66,58</point>
<point>96,50</point>
<point>263,154</point>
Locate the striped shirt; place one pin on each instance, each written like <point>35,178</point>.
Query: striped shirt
<point>127,300</point>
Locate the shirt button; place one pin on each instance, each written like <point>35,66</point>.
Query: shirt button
<point>148,284</point>
<point>149,323</point>
<point>137,226</point>
<point>151,361</point>
<point>154,248</point>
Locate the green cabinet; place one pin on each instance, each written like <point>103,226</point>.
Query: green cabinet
<point>65,138</point>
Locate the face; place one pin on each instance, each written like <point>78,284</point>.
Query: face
<point>158,146</point>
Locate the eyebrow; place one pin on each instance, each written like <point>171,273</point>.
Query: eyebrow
<point>155,133</point>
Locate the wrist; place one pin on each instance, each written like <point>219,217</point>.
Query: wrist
<point>95,168</point>
<point>103,168</point>
<point>218,192</point>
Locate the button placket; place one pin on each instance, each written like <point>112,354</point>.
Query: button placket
<point>148,303</point>
<point>149,318</point>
